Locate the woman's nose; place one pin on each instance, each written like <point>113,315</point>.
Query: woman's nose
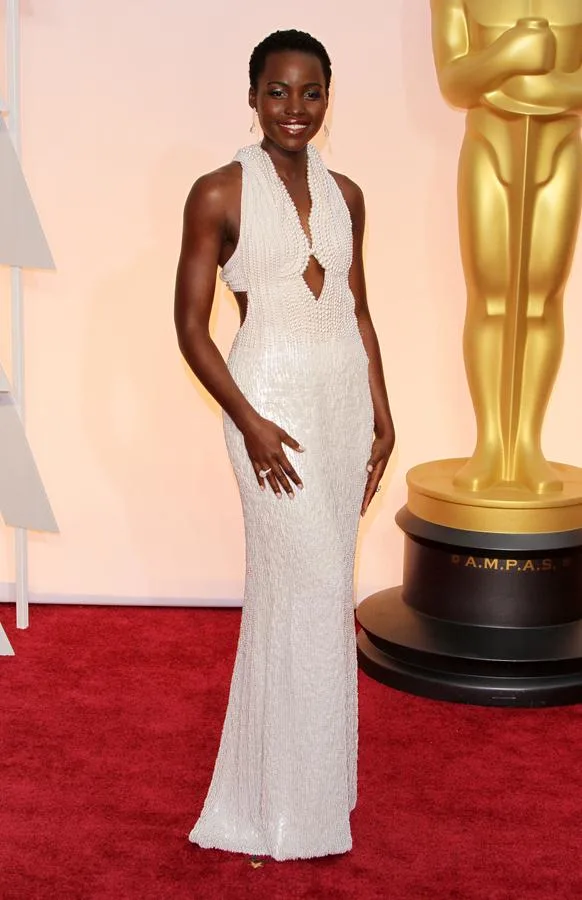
<point>295,105</point>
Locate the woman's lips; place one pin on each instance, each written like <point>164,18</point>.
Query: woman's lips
<point>294,128</point>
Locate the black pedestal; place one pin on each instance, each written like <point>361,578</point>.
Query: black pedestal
<point>491,619</point>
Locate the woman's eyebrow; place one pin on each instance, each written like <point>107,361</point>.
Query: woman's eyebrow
<point>307,83</point>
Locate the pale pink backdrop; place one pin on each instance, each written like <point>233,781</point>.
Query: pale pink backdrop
<point>124,105</point>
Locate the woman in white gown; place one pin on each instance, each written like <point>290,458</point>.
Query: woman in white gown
<point>306,419</point>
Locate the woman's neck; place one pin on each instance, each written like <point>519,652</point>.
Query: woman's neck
<point>290,165</point>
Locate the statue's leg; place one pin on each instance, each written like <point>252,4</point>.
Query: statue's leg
<point>555,228</point>
<point>484,235</point>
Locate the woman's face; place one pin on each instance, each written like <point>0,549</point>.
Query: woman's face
<point>290,99</point>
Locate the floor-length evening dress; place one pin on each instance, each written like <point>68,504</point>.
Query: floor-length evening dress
<point>284,781</point>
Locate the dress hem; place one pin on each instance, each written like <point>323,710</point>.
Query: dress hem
<point>239,847</point>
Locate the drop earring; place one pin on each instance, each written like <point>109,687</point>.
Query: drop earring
<point>327,134</point>
<point>253,127</point>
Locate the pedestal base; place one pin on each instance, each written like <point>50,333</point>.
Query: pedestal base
<point>491,619</point>
<point>468,664</point>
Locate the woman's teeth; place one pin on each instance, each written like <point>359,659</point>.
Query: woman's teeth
<point>294,129</point>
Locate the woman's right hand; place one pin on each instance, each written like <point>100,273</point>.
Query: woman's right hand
<point>264,441</point>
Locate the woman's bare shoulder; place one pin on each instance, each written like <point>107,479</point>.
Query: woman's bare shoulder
<point>216,191</point>
<point>351,191</point>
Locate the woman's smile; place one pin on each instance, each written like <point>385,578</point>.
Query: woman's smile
<point>294,127</point>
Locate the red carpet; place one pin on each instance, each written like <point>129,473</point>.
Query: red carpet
<point>109,724</point>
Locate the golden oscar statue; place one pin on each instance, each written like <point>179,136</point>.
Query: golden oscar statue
<point>494,542</point>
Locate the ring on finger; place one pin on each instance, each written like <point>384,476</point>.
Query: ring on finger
<point>379,488</point>
<point>264,472</point>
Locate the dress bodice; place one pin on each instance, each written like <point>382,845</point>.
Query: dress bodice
<point>273,252</point>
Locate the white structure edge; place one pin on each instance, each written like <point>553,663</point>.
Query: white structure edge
<point>13,62</point>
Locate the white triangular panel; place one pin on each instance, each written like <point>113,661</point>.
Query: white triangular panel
<point>22,240</point>
<point>5,646</point>
<point>4,383</point>
<point>23,499</point>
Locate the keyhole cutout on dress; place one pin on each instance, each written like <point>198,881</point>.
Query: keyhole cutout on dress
<point>314,274</point>
<point>314,277</point>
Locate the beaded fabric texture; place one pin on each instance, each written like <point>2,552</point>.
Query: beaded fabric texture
<point>284,781</point>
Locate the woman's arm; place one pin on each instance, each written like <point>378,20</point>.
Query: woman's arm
<point>204,236</point>
<point>383,425</point>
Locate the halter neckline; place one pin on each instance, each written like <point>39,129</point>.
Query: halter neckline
<point>285,191</point>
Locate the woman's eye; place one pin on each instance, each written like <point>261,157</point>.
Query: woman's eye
<point>277,92</point>
<point>313,95</point>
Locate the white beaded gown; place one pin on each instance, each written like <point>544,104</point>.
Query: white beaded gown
<point>284,781</point>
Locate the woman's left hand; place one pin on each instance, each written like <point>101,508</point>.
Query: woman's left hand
<point>381,452</point>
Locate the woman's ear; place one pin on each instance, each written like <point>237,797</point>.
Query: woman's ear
<point>252,98</point>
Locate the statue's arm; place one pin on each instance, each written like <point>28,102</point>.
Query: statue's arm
<point>557,92</point>
<point>464,74</point>
<point>569,89</point>
<point>563,89</point>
